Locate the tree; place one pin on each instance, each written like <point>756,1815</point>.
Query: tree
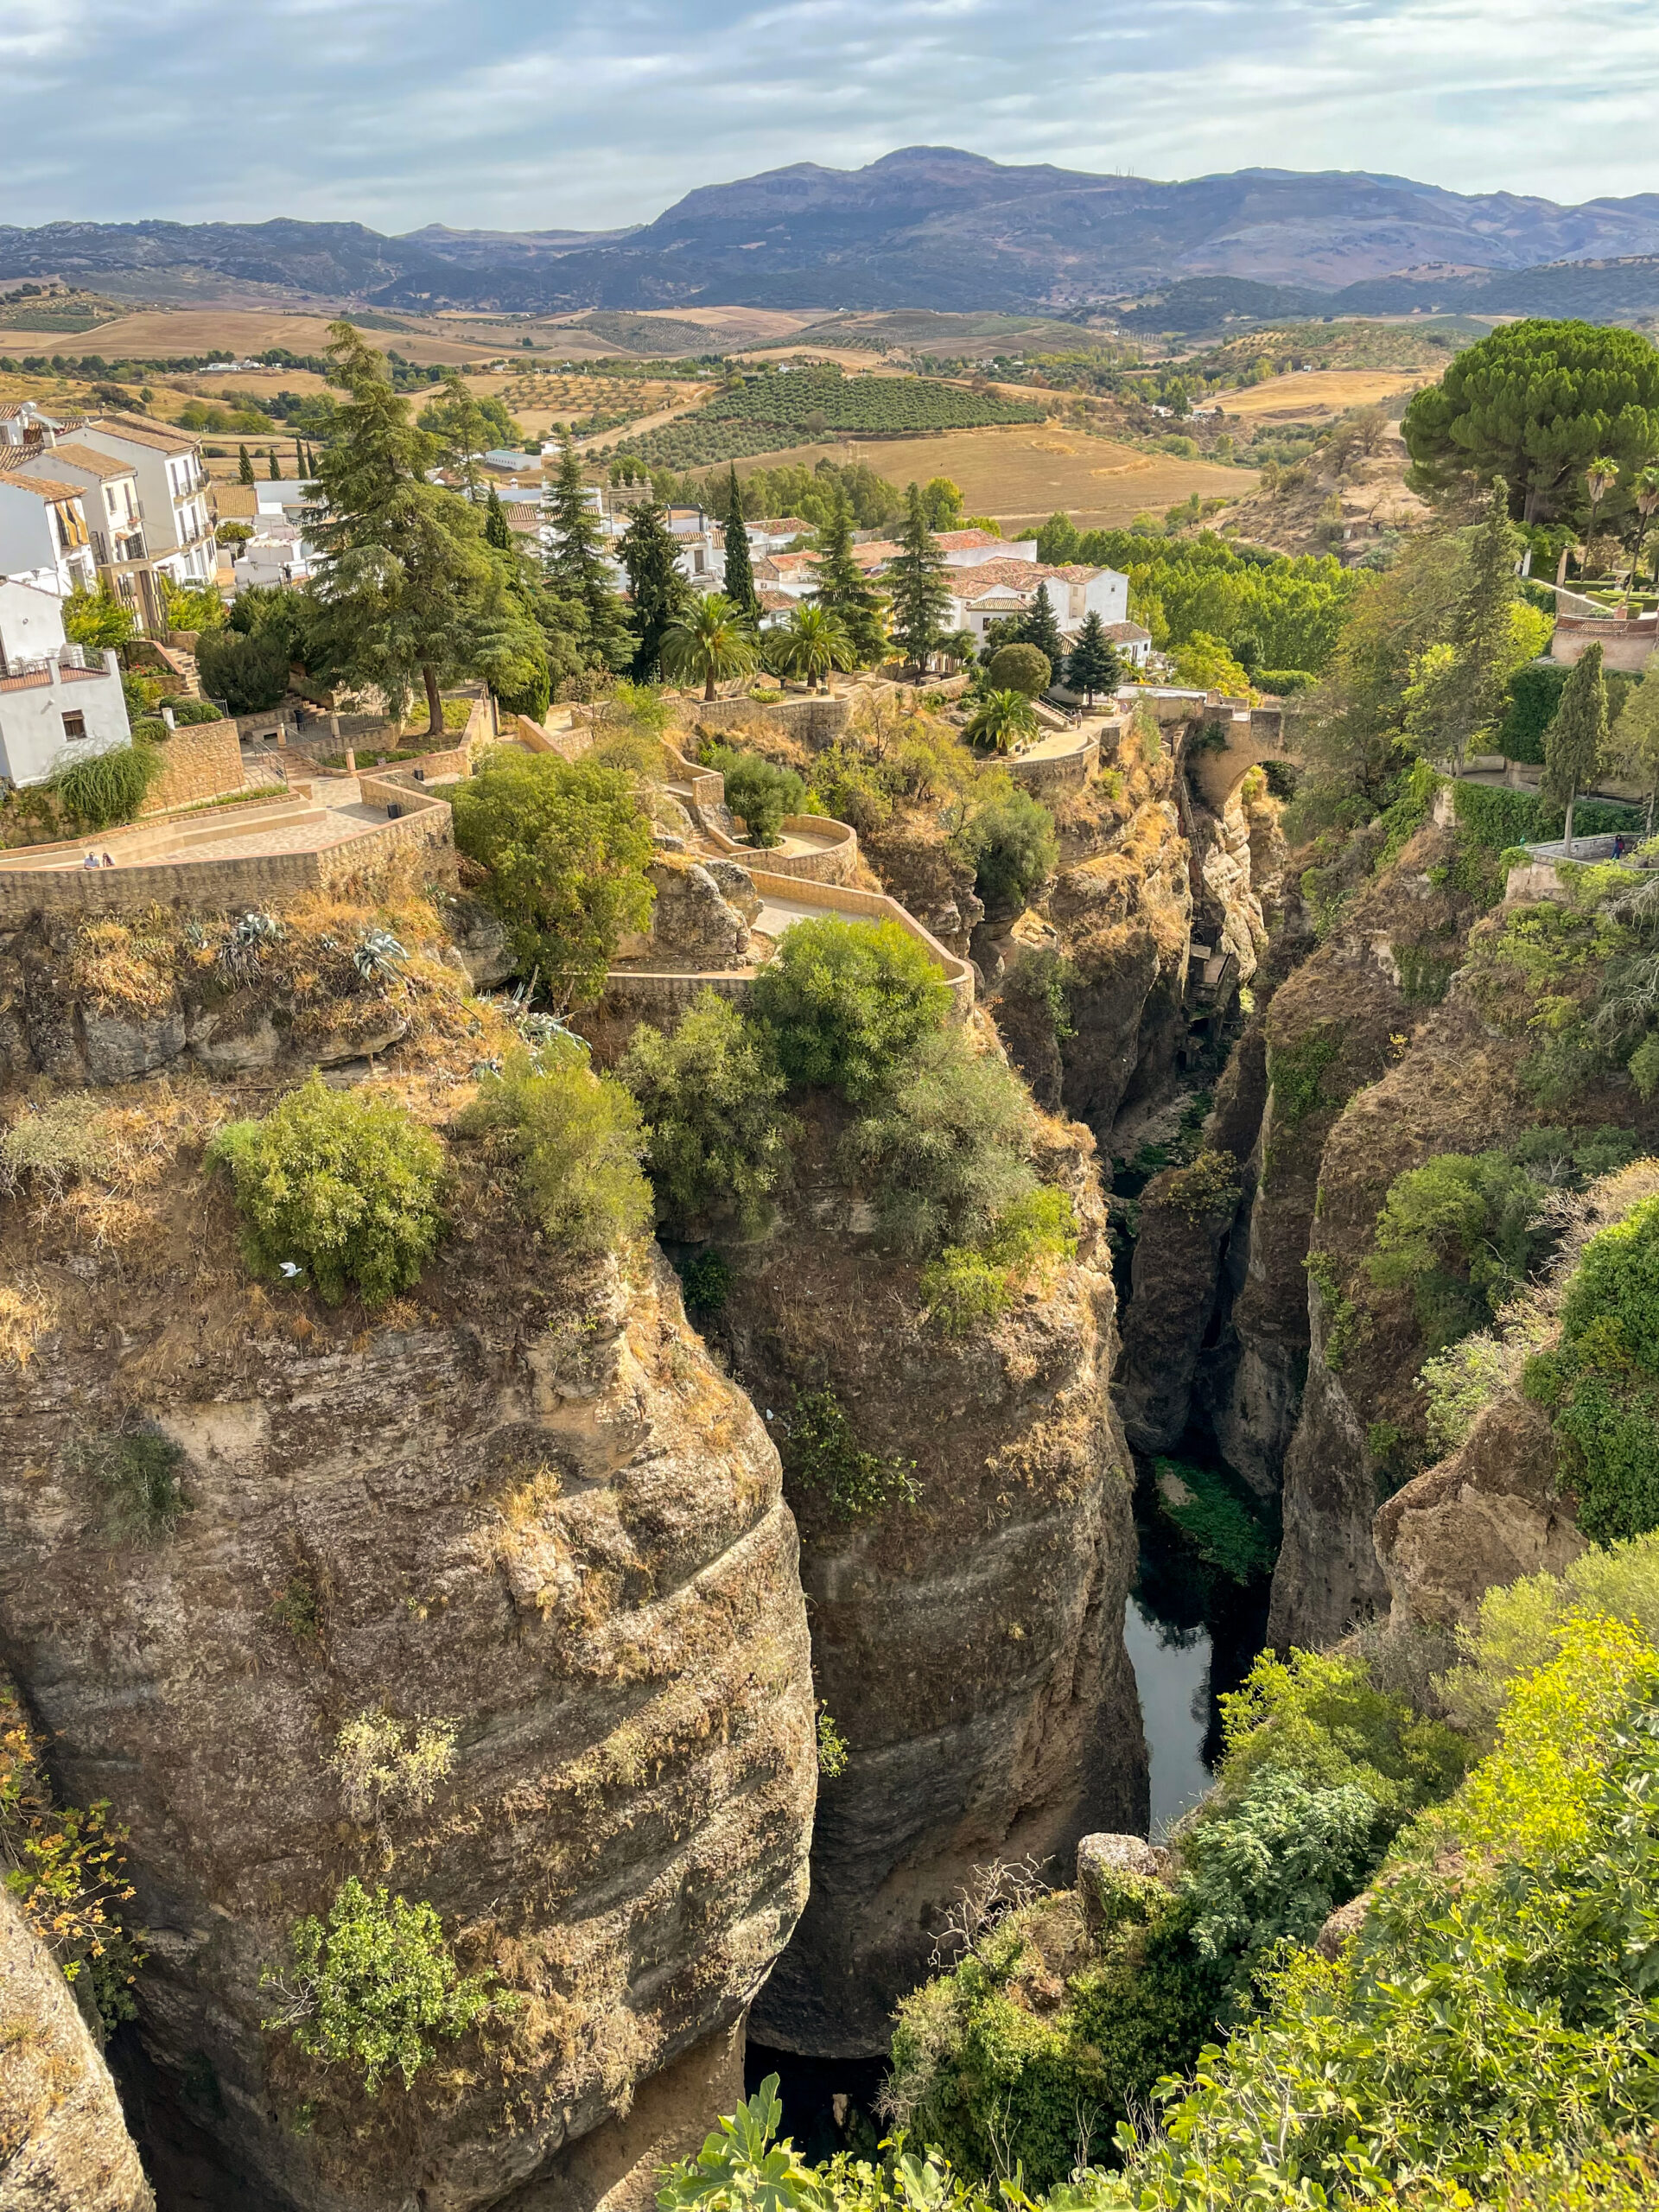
<point>465,427</point>
<point>275,467</point>
<point>1038,627</point>
<point>709,641</point>
<point>1645,495</point>
<point>99,621</point>
<point>496,532</point>
<point>1634,745</point>
<point>717,1140</point>
<point>847,1002</point>
<point>243,465</point>
<point>814,643</point>
<point>658,593</point>
<point>578,572</point>
<point>1574,742</point>
<point>1483,630</point>
<point>566,848</point>
<point>1534,403</point>
<point>740,569</point>
<point>920,595</point>
<point>1598,480</point>
<point>843,590</point>
<point>1204,663</point>
<point>759,791</point>
<point>1001,719</point>
<point>943,500</point>
<point>1092,665</point>
<point>410,589</point>
<point>1020,667</point>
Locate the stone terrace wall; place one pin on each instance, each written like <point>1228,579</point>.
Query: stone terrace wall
<point>200,761</point>
<point>815,722</point>
<point>1051,773</point>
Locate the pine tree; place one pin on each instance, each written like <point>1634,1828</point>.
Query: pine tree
<point>917,578</point>
<point>1092,665</point>
<point>842,588</point>
<point>740,569</point>
<point>243,465</point>
<point>496,532</point>
<point>1037,627</point>
<point>275,465</point>
<point>1483,634</point>
<point>412,592</point>
<point>659,594</point>
<point>579,574</point>
<point>1575,741</point>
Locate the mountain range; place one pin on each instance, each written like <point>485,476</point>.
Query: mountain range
<point>925,227</point>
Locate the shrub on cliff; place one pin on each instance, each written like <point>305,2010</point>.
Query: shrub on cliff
<point>759,791</point>
<point>370,1986</point>
<point>969,1287</point>
<point>344,1186</point>
<point>1460,1233</point>
<point>1602,1380</point>
<point>717,1140</point>
<point>847,1002</point>
<point>566,847</point>
<point>942,1144</point>
<point>1010,845</point>
<point>821,1451</point>
<point>577,1137</point>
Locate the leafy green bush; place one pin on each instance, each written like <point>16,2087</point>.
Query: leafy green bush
<point>847,1002</point>
<point>190,713</point>
<point>717,1137</point>
<point>1601,1382</point>
<point>150,729</point>
<point>1207,1189</point>
<point>1461,1233</point>
<point>759,791</point>
<point>373,1985</point>
<point>969,1287</point>
<point>578,1138</point>
<point>1276,1865</point>
<point>567,846</point>
<point>249,673</point>
<point>942,1144</point>
<point>706,1282</point>
<point>1019,668</point>
<point>345,1185</point>
<point>1010,845</point>
<point>1296,1073</point>
<point>822,1454</point>
<point>109,787</point>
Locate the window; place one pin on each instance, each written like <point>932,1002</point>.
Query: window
<point>74,726</point>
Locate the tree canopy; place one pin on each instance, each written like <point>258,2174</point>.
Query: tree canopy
<point>1535,403</point>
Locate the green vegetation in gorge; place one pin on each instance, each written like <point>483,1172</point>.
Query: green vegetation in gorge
<point>844,1003</point>
<point>822,1454</point>
<point>717,1134</point>
<point>577,1138</point>
<point>346,1187</point>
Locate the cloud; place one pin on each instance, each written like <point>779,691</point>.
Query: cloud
<point>591,113</point>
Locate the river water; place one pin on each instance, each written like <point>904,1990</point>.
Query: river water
<point>1171,1672</point>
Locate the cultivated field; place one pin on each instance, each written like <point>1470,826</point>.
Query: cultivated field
<point>156,331</point>
<point>1028,469</point>
<point>1316,395</point>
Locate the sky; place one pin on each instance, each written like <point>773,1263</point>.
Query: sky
<point>585,114</point>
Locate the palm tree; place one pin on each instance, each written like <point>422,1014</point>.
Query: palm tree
<point>1600,479</point>
<point>1001,719</point>
<point>1647,505</point>
<point>711,640</point>
<point>814,643</point>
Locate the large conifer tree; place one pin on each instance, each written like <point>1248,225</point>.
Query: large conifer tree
<point>1575,741</point>
<point>578,572</point>
<point>1483,633</point>
<point>658,593</point>
<point>740,569</point>
<point>1092,665</point>
<point>842,588</point>
<point>920,595</point>
<point>1038,627</point>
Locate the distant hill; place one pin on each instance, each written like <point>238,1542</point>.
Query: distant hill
<point>925,227</point>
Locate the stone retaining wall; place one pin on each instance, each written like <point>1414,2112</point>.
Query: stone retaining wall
<point>199,761</point>
<point>813,721</point>
<point>1049,773</point>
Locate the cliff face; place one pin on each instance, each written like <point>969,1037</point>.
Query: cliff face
<point>969,1646</point>
<point>63,2140</point>
<point>521,1501</point>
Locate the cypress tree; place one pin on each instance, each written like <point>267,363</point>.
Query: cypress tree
<point>1482,631</point>
<point>658,590</point>
<point>842,588</point>
<point>1092,665</point>
<point>917,577</point>
<point>1039,628</point>
<point>496,532</point>
<point>243,465</point>
<point>578,572</point>
<point>740,569</point>
<point>275,465</point>
<point>1575,741</point>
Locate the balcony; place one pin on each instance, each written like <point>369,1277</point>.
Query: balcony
<point>115,549</point>
<point>69,665</point>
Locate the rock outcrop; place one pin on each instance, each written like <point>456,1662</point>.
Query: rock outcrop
<point>64,2144</point>
<point>968,1647</point>
<point>520,1503</point>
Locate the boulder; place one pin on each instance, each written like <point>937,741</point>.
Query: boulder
<point>736,885</point>
<point>691,920</point>
<point>1117,1877</point>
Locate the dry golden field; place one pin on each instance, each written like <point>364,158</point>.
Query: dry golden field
<point>155,332</point>
<point>1019,470</point>
<point>1316,395</point>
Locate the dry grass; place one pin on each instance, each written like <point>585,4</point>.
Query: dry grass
<point>1316,395</point>
<point>28,1310</point>
<point>94,1155</point>
<point>127,967</point>
<point>1016,470</point>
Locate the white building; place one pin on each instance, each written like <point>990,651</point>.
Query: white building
<point>54,708</point>
<point>172,491</point>
<point>44,537</point>
<point>971,549</point>
<point>991,590</point>
<point>109,493</point>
